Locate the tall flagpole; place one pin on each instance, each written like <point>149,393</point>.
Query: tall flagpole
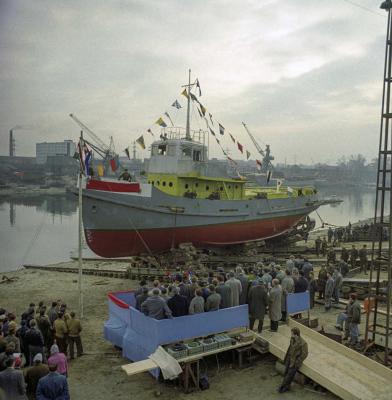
<point>80,225</point>
<point>188,129</point>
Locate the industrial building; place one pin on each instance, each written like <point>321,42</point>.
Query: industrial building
<point>44,150</point>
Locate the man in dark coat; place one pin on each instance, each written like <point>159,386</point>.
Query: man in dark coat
<point>225,292</point>
<point>344,255</point>
<point>321,281</point>
<point>295,356</point>
<point>353,256</point>
<point>53,386</point>
<point>324,247</point>
<point>301,284</point>
<point>141,298</point>
<point>34,374</point>
<point>34,341</point>
<point>12,383</point>
<point>317,243</point>
<point>258,302</point>
<point>363,259</point>
<point>213,300</point>
<point>44,326</point>
<point>354,315</point>
<point>178,304</point>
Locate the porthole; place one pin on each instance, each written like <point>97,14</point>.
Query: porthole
<point>164,183</point>
<point>170,184</point>
<point>207,187</point>
<point>229,186</point>
<point>186,186</point>
<point>152,183</point>
<point>236,187</point>
<point>221,188</point>
<point>157,183</point>
<point>196,184</point>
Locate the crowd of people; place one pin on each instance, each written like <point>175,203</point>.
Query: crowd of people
<point>35,351</point>
<point>264,288</point>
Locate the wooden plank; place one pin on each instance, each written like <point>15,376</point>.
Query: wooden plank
<point>145,365</point>
<point>139,366</point>
<point>339,369</point>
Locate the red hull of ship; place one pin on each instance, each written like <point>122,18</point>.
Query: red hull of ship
<point>112,243</point>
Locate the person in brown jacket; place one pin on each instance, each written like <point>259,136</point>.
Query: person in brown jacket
<point>74,329</point>
<point>34,374</point>
<point>60,333</point>
<point>295,356</point>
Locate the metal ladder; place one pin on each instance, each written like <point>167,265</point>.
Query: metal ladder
<point>378,329</point>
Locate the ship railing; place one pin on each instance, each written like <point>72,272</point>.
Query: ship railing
<point>175,132</point>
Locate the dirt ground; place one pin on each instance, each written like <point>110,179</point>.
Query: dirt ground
<point>98,375</point>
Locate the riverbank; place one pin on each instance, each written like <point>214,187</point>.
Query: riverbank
<point>98,374</point>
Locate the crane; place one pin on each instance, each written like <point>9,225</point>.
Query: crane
<point>108,150</point>
<point>267,158</point>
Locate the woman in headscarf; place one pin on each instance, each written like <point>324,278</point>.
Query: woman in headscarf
<point>59,359</point>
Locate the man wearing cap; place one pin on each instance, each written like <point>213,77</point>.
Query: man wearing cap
<point>295,356</point>
<point>34,374</point>
<point>53,385</point>
<point>12,383</point>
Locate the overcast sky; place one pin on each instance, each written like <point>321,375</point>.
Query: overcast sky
<point>305,75</point>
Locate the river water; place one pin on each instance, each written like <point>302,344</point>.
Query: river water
<point>44,229</point>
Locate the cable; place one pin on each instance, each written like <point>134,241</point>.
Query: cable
<point>363,7</point>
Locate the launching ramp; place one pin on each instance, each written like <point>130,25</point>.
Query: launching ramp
<point>334,366</point>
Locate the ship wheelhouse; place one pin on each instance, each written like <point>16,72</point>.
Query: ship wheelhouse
<point>178,167</point>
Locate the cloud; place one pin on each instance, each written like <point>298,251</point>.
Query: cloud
<point>306,74</point>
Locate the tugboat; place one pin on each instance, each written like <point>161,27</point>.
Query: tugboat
<point>185,200</point>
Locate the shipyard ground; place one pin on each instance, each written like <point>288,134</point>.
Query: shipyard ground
<point>98,375</point>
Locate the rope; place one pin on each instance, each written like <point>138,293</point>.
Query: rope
<point>32,241</point>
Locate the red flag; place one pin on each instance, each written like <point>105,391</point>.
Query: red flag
<point>240,147</point>
<point>113,164</point>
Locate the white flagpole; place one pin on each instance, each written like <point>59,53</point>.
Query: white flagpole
<point>80,225</point>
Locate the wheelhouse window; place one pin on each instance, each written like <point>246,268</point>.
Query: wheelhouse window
<point>162,149</point>
<point>196,155</point>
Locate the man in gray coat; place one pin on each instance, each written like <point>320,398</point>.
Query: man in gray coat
<point>258,303</point>
<point>213,300</point>
<point>244,284</point>
<point>329,290</point>
<point>12,382</point>
<point>236,289</point>
<point>225,292</point>
<point>287,287</point>
<point>275,305</point>
<point>197,303</point>
<point>155,307</point>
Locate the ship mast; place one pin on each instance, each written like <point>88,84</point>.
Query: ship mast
<point>188,110</point>
<point>188,128</point>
